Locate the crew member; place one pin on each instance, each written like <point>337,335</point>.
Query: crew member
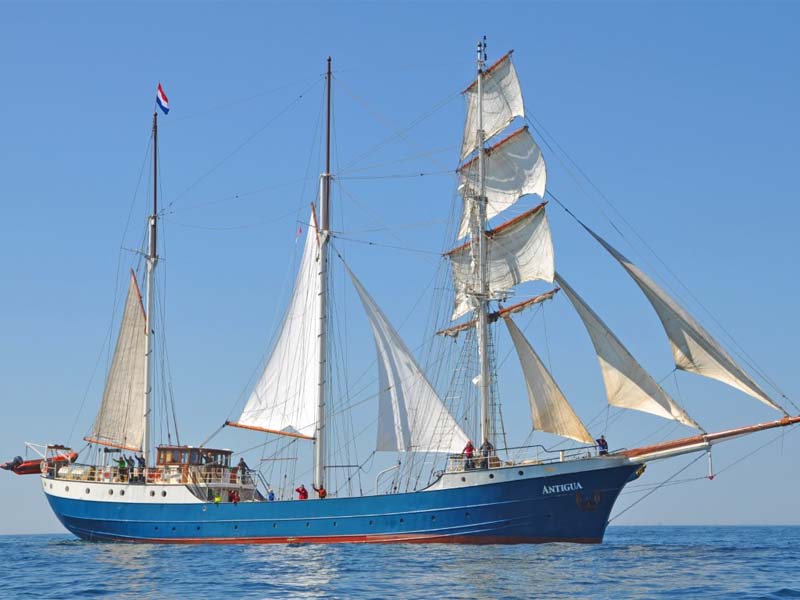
<point>321,491</point>
<point>302,492</point>
<point>469,452</point>
<point>602,445</point>
<point>486,451</point>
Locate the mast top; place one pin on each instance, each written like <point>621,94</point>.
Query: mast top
<point>481,54</point>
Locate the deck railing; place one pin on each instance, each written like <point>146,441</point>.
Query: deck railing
<point>458,463</point>
<point>208,475</point>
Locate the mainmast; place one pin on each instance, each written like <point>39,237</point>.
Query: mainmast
<point>479,250</point>
<point>152,258</point>
<point>324,228</point>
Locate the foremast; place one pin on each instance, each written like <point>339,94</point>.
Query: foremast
<point>323,237</point>
<point>152,259</point>
<point>478,244</point>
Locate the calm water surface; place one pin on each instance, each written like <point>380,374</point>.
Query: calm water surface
<point>634,562</point>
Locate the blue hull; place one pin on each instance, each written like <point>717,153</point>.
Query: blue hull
<point>545,509</point>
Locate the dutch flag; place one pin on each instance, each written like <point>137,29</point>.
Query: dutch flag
<point>161,99</point>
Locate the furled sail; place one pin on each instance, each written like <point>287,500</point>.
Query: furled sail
<point>285,396</point>
<point>628,385</point>
<point>514,167</point>
<point>502,101</point>
<point>693,348</point>
<point>520,250</point>
<point>411,416</point>
<point>120,421</point>
<point>550,410</point>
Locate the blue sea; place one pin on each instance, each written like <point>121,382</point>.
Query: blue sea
<point>633,562</point>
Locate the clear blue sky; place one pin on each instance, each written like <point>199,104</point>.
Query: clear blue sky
<point>685,116</point>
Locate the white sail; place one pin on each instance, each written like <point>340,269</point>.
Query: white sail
<point>520,250</point>
<point>411,416</point>
<point>627,384</point>
<point>120,421</point>
<point>285,397</point>
<point>502,101</point>
<point>693,348</point>
<point>550,410</point>
<point>514,167</point>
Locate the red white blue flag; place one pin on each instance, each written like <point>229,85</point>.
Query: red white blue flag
<point>161,99</point>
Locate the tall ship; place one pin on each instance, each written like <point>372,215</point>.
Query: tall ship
<point>456,479</point>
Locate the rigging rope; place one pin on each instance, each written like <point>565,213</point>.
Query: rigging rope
<point>663,483</point>
<point>243,143</point>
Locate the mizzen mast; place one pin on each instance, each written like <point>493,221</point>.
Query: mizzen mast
<point>323,236</point>
<point>152,259</point>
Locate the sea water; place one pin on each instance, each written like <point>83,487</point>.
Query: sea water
<point>633,562</point>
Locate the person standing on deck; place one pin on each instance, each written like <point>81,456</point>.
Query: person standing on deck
<point>242,470</point>
<point>302,492</point>
<point>486,451</point>
<point>602,445</point>
<point>469,452</point>
<point>321,491</point>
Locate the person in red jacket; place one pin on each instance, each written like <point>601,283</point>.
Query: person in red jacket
<point>302,492</point>
<point>469,451</point>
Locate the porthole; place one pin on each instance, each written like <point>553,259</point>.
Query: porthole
<point>110,492</point>
<point>433,517</point>
<point>274,525</point>
<point>236,527</point>
<point>173,529</point>
<point>370,522</point>
<point>156,527</point>
<point>66,489</point>
<point>308,524</point>
<point>51,486</point>
<point>466,515</point>
<point>122,492</point>
<point>491,475</point>
<point>152,493</point>
<point>88,490</point>
<point>198,528</point>
<point>521,473</point>
<point>402,520</point>
<point>463,479</point>
<point>334,523</point>
<point>163,494</point>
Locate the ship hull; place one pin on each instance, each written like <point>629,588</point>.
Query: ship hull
<point>570,507</point>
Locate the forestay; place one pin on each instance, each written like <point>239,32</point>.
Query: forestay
<point>411,416</point>
<point>693,348</point>
<point>120,421</point>
<point>285,396</point>
<point>550,410</point>
<point>627,384</point>
<point>520,250</point>
<point>502,101</point>
<point>514,167</point>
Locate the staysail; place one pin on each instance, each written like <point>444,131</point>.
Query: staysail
<point>550,410</point>
<point>627,384</point>
<point>502,101</point>
<point>515,167</point>
<point>411,416</point>
<point>120,421</point>
<point>693,348</point>
<point>520,250</point>
<point>285,397</point>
